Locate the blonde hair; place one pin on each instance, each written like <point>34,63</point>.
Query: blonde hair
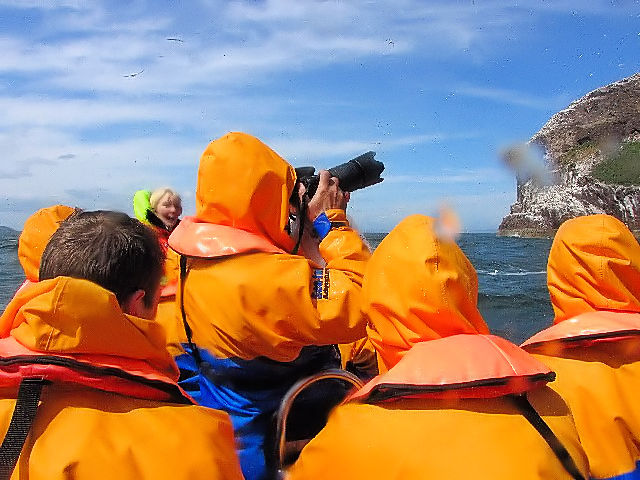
<point>158,193</point>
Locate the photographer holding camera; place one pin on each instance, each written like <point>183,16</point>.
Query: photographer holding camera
<point>258,316</point>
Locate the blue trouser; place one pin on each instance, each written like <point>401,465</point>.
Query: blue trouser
<point>250,391</point>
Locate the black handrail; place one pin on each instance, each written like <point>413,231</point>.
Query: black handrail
<point>291,395</point>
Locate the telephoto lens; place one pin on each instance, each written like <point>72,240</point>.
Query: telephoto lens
<point>360,172</point>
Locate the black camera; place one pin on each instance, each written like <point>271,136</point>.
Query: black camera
<point>357,173</point>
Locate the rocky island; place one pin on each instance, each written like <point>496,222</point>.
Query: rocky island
<point>592,153</point>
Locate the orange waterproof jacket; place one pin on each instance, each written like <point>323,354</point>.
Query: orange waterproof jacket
<point>167,312</point>
<point>447,407</point>
<point>594,345</point>
<point>100,416</point>
<point>427,418</point>
<point>261,318</point>
<point>245,296</point>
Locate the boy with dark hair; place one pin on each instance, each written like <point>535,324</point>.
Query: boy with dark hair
<point>111,249</point>
<point>86,387</point>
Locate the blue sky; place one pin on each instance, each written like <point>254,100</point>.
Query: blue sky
<point>102,98</point>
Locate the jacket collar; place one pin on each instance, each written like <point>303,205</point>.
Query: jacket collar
<point>449,368</point>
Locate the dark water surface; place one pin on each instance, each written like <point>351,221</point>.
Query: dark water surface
<point>11,275</point>
<point>511,272</point>
<point>512,279</point>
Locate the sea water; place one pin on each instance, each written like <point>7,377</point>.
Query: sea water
<point>11,274</point>
<point>512,296</point>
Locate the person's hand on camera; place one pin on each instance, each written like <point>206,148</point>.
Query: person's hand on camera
<point>328,196</point>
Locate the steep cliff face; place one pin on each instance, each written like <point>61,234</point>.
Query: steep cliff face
<point>592,151</point>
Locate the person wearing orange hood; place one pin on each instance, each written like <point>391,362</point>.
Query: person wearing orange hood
<point>160,209</point>
<point>258,316</point>
<point>36,232</point>
<point>87,390</point>
<point>593,275</point>
<point>454,401</point>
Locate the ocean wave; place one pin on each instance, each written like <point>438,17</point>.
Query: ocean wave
<point>8,244</point>
<point>495,273</point>
<point>514,300</point>
<point>515,317</point>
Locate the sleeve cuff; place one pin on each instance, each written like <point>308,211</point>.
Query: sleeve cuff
<point>322,225</point>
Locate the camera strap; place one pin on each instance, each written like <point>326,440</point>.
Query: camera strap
<point>302,218</point>
<point>526,409</point>
<point>187,328</point>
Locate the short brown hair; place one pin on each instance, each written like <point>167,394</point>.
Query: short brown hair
<point>108,248</point>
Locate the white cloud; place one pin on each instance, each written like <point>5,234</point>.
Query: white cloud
<point>477,212</point>
<point>44,4</point>
<point>312,149</point>
<point>31,111</point>
<point>233,42</point>
<point>512,97</point>
<point>247,41</point>
<point>573,7</point>
<point>476,176</point>
<point>77,127</point>
<point>55,162</point>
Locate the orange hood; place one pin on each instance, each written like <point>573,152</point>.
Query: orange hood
<point>417,288</point>
<point>244,184</point>
<point>35,235</point>
<point>68,316</point>
<point>594,264</point>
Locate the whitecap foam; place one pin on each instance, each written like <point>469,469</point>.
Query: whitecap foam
<point>496,273</point>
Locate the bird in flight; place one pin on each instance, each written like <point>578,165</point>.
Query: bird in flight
<point>131,75</point>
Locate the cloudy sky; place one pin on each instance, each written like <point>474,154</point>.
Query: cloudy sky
<point>101,98</point>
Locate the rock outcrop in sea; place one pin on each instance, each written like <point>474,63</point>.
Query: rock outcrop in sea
<point>592,153</point>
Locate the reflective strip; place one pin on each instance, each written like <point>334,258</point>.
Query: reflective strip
<point>320,280</point>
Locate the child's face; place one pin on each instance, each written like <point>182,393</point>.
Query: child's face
<point>169,209</point>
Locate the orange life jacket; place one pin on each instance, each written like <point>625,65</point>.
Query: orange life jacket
<point>588,328</point>
<point>504,369</point>
<point>125,376</point>
<point>490,367</point>
<point>195,238</point>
